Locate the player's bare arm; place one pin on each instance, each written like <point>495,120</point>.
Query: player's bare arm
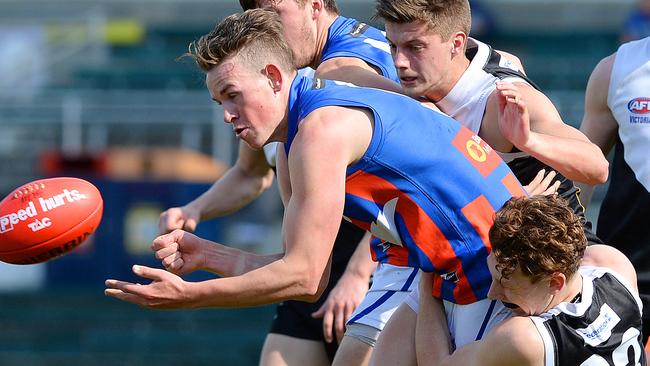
<point>356,71</point>
<point>348,292</point>
<point>515,342</point>
<point>240,185</point>
<point>541,132</point>
<point>598,123</point>
<point>312,219</point>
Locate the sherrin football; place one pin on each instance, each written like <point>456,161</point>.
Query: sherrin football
<point>47,218</point>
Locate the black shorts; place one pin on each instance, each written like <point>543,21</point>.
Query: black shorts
<point>293,318</point>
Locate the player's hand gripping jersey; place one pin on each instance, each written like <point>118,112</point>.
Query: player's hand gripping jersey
<point>427,187</point>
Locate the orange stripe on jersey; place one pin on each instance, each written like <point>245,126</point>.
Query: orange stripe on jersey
<point>463,292</point>
<point>481,215</point>
<point>512,185</point>
<point>361,224</point>
<point>424,232</point>
<point>477,152</point>
<point>397,256</point>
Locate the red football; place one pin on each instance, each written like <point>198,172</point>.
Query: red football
<point>47,218</point>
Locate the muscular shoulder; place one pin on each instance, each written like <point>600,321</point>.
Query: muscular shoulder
<point>600,76</point>
<point>514,342</point>
<point>336,130</point>
<point>512,58</point>
<point>611,258</point>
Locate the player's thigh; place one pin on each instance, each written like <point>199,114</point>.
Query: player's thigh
<point>396,343</point>
<point>282,350</point>
<point>352,352</point>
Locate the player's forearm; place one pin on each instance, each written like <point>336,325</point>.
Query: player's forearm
<point>236,189</point>
<point>432,343</point>
<point>227,261</point>
<point>277,281</point>
<point>576,159</point>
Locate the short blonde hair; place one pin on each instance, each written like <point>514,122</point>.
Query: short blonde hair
<point>444,17</point>
<point>254,34</point>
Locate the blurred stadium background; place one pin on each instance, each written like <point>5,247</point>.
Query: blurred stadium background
<point>93,88</point>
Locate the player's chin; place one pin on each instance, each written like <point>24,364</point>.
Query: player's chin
<point>413,90</point>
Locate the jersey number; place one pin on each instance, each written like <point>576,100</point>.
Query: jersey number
<point>628,353</point>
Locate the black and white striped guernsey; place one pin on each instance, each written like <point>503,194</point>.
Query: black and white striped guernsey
<point>467,101</point>
<point>603,328</point>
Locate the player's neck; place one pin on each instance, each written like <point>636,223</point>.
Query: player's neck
<point>571,292</point>
<point>322,34</point>
<point>456,71</point>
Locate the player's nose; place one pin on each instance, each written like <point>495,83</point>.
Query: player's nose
<point>228,115</point>
<point>400,60</point>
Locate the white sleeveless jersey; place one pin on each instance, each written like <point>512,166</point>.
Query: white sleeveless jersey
<point>629,101</point>
<point>467,100</point>
<point>601,329</point>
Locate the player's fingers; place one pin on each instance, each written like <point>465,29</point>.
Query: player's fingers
<point>190,225</point>
<point>148,272</point>
<point>538,178</point>
<point>176,265</point>
<point>168,260</point>
<point>319,313</point>
<point>167,251</point>
<point>549,178</point>
<point>121,295</point>
<point>169,221</point>
<point>552,189</point>
<point>327,326</point>
<point>339,323</point>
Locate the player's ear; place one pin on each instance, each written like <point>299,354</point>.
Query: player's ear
<point>458,41</point>
<point>274,76</point>
<point>557,282</point>
<point>317,7</point>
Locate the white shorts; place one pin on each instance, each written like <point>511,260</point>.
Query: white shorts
<point>390,287</point>
<point>467,323</point>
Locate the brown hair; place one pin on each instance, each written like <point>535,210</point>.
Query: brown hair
<point>444,17</point>
<point>330,5</point>
<point>540,235</point>
<point>255,34</point>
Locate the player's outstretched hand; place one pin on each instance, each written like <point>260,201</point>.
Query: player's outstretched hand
<point>166,291</point>
<point>514,120</point>
<point>341,302</point>
<point>185,218</point>
<point>179,251</point>
<point>543,184</point>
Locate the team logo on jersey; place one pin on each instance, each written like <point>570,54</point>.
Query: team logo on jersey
<point>384,227</point>
<point>317,83</point>
<point>639,105</point>
<point>358,29</point>
<point>451,276</point>
<point>476,151</point>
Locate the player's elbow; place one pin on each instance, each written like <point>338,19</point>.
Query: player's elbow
<point>601,173</point>
<point>308,286</point>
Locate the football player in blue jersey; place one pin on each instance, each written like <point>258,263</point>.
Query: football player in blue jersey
<point>337,48</point>
<point>250,70</point>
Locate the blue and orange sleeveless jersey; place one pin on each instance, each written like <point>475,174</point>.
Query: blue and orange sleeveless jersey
<point>351,38</point>
<point>427,187</point>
